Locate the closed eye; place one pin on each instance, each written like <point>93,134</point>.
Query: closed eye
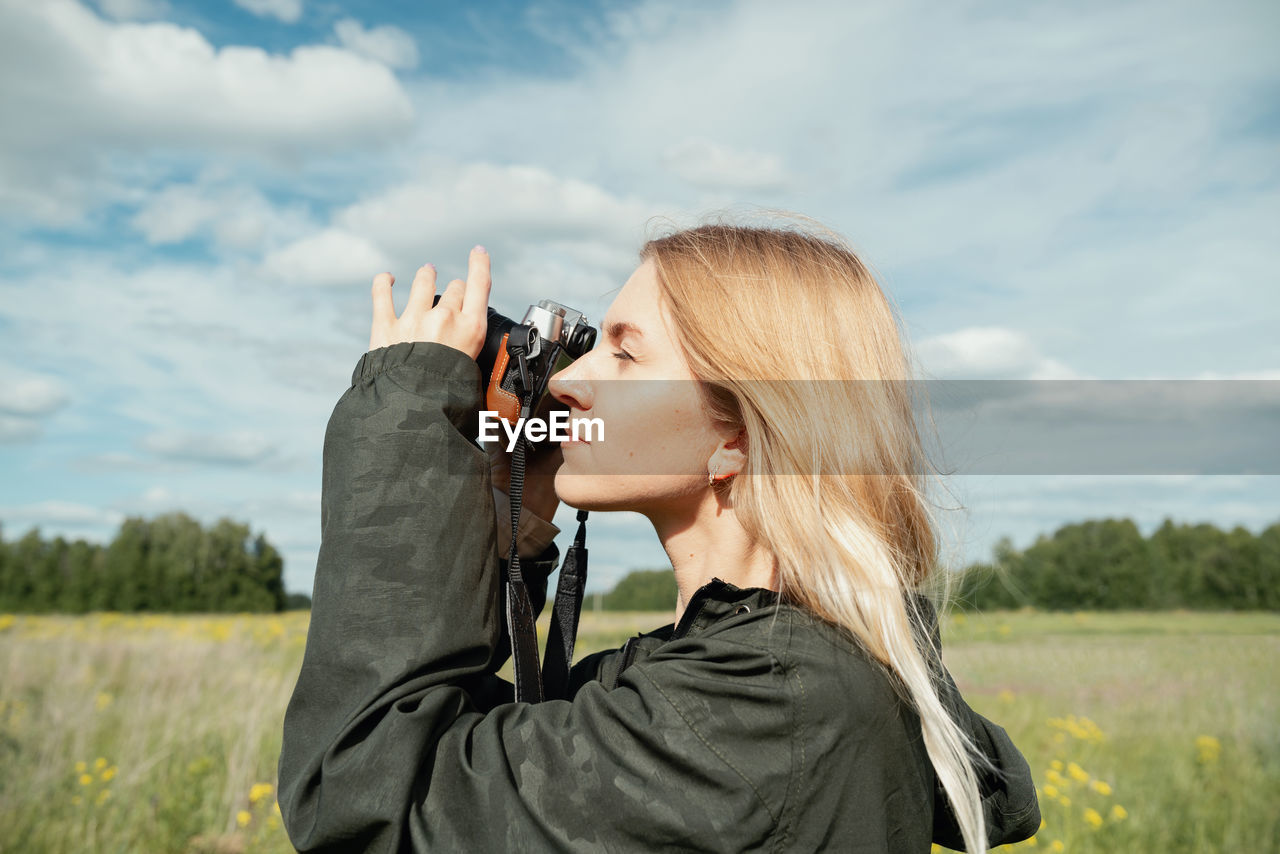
<point>623,355</point>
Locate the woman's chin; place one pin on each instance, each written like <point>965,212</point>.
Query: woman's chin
<point>585,492</point>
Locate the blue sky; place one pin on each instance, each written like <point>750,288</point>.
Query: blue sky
<point>195,196</point>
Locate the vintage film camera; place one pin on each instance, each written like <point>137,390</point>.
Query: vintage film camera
<point>518,359</point>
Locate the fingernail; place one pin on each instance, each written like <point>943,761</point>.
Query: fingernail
<point>479,248</point>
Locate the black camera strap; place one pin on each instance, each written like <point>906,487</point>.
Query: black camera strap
<point>564,617</point>
<point>552,682</point>
<point>521,628</point>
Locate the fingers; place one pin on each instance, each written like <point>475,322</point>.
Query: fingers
<point>384,310</point>
<point>421,292</point>
<point>479,283</point>
<point>453,295</point>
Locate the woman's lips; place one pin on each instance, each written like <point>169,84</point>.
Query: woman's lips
<point>571,441</point>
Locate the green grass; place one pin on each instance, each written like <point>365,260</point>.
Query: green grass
<point>185,714</point>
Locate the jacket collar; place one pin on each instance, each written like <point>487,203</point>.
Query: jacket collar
<point>718,599</point>
<point>713,601</point>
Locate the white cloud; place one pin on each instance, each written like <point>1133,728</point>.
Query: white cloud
<point>386,44</point>
<point>26,401</point>
<point>30,395</point>
<point>59,513</point>
<point>241,447</point>
<point>14,430</point>
<point>134,10</point>
<point>988,352</point>
<point>91,89</point>
<point>331,257</point>
<point>234,216</point>
<point>478,202</point>
<point>710,165</point>
<point>288,11</point>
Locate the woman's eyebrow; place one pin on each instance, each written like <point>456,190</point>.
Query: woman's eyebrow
<point>621,327</point>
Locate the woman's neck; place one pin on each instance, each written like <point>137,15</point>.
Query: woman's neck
<point>706,541</point>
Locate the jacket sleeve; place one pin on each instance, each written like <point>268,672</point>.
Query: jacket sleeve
<point>1009,800</point>
<point>386,746</point>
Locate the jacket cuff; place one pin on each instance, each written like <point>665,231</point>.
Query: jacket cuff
<point>431,362</point>
<point>533,535</point>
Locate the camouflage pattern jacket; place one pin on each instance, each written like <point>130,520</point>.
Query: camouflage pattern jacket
<point>750,726</point>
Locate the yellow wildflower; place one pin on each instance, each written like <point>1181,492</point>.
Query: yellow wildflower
<point>243,818</point>
<point>1118,812</point>
<point>108,774</point>
<point>80,767</point>
<point>1051,791</point>
<point>1093,817</point>
<point>1057,845</point>
<point>1077,773</point>
<point>1031,842</point>
<point>1065,801</point>
<point>6,620</point>
<point>1100,787</point>
<point>1006,696</point>
<point>103,795</point>
<point>1056,765</point>
<point>99,764</point>
<point>260,791</point>
<point>1056,778</point>
<point>103,700</point>
<point>1207,748</point>
<point>1042,824</point>
<point>86,779</point>
<point>1004,629</point>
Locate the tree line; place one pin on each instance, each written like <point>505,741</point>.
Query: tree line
<point>1103,564</point>
<point>1106,564</point>
<point>170,563</point>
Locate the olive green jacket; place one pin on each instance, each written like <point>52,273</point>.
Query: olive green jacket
<point>750,726</point>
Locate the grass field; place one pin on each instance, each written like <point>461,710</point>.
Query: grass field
<point>1145,732</point>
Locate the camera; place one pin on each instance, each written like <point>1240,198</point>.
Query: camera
<point>519,358</point>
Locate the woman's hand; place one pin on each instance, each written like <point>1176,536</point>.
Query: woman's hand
<point>539,494</point>
<point>459,320</point>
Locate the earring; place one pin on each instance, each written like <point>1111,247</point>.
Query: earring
<point>711,475</point>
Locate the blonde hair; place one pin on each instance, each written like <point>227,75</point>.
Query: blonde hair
<point>793,341</point>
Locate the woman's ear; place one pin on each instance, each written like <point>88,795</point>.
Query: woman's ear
<point>730,458</point>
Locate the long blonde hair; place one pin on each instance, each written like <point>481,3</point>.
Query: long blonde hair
<point>793,341</point>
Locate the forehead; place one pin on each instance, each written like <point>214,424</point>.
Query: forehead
<point>638,303</point>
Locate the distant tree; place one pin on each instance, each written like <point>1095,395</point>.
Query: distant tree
<point>297,602</point>
<point>126,555</point>
<point>26,555</point>
<point>268,575</point>
<point>997,584</point>
<point>169,563</point>
<point>643,590</point>
<point>1269,568</point>
<point>79,567</point>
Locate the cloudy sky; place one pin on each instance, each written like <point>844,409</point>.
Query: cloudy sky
<point>194,198</point>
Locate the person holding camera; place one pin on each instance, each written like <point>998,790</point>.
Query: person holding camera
<point>752,384</point>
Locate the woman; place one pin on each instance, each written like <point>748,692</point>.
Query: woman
<point>798,701</point>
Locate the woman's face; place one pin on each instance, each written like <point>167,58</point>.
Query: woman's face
<point>657,439</point>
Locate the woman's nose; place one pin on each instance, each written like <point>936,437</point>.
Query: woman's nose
<point>570,387</point>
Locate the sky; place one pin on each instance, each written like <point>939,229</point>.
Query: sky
<point>194,198</point>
